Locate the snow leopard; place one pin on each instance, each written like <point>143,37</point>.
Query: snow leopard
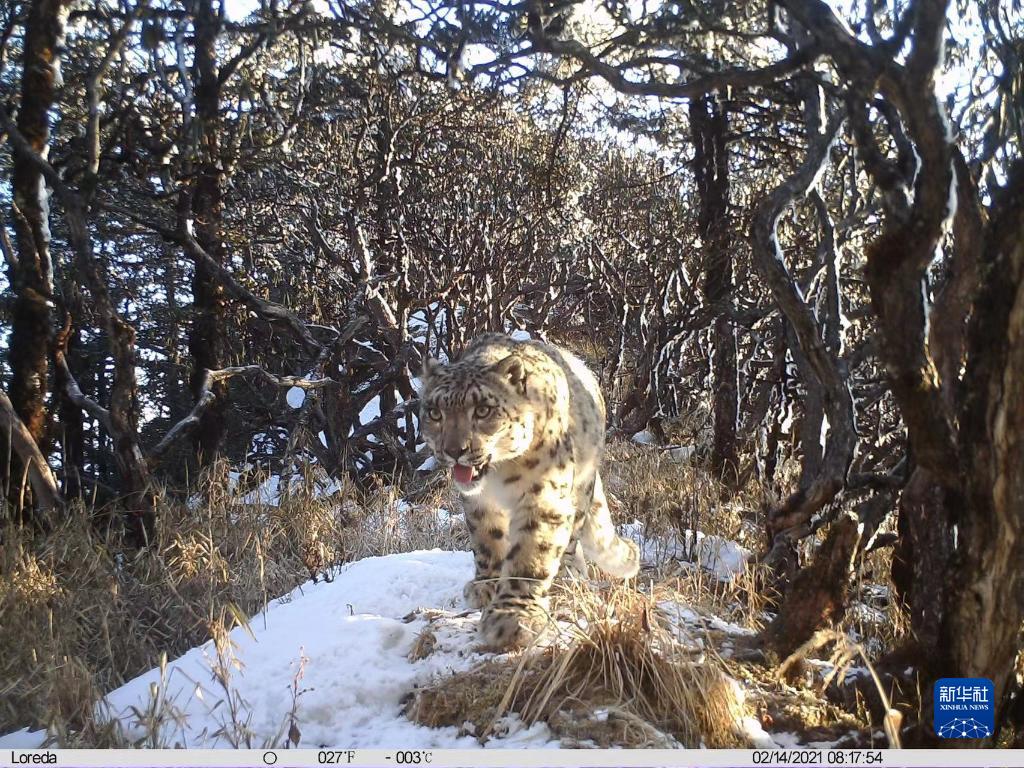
<point>521,425</point>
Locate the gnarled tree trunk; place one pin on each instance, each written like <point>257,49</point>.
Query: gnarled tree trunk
<point>985,606</point>
<point>31,272</point>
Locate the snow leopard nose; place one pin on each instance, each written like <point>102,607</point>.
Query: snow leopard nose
<point>455,449</point>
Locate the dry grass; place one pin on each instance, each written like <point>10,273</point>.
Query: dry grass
<point>668,494</point>
<point>619,653</point>
<point>615,675</point>
<point>470,700</point>
<point>81,612</point>
<point>741,600</point>
<point>800,707</point>
<point>875,618</point>
<point>670,497</point>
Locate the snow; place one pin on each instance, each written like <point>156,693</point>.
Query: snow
<point>681,453</point>
<point>296,396</point>
<point>370,411</point>
<point>269,490</point>
<point>266,493</point>
<point>644,438</point>
<point>676,453</point>
<point>447,517</point>
<point>758,736</point>
<point>689,624</point>
<point>349,640</point>
<point>787,739</point>
<point>722,557</point>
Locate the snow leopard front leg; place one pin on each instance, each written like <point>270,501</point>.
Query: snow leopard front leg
<point>540,528</point>
<point>488,530</point>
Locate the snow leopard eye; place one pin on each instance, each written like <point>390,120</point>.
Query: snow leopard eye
<point>482,411</point>
<point>434,414</point>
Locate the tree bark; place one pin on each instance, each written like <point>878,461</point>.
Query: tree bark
<point>70,415</point>
<point>789,520</point>
<point>208,335</point>
<point>985,607</point>
<point>958,564</point>
<point>709,124</point>
<point>921,558</point>
<point>31,275</point>
<point>817,596</point>
<point>812,417</point>
<point>926,518</point>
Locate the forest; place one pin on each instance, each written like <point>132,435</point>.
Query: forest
<point>787,236</point>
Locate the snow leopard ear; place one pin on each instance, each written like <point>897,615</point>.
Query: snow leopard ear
<point>431,367</point>
<point>512,370</point>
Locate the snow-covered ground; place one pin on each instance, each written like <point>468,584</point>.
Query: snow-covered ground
<point>334,659</point>
<point>350,638</point>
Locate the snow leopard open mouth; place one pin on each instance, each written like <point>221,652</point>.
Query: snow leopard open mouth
<point>467,475</point>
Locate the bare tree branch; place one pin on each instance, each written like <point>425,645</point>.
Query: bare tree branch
<point>799,507</point>
<point>188,424</point>
<point>41,479</point>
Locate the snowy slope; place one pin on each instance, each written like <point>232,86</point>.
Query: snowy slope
<point>356,644</point>
<point>344,647</point>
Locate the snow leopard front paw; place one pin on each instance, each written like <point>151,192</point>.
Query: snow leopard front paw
<point>479,594</point>
<point>505,627</point>
<point>573,566</point>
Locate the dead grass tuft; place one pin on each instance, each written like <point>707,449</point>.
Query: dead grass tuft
<point>423,645</point>
<point>470,700</point>
<point>614,676</point>
<point>618,654</point>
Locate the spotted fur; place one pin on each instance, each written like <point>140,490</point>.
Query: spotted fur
<point>528,418</point>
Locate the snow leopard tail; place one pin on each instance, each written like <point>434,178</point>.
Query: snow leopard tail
<point>601,543</point>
